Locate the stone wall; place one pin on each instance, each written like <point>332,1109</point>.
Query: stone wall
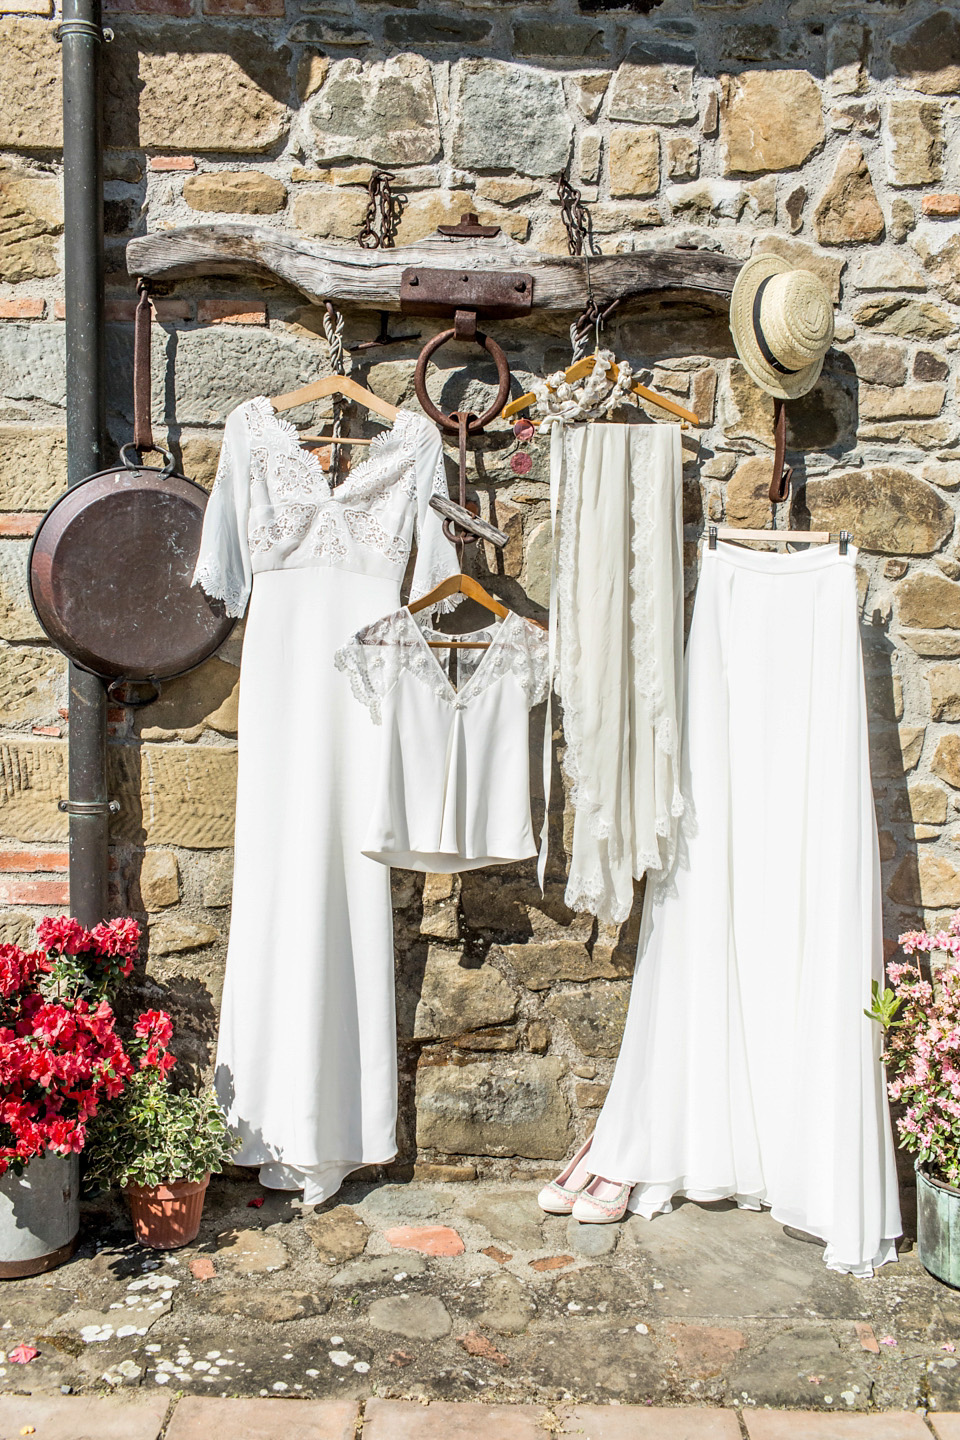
<point>826,132</point>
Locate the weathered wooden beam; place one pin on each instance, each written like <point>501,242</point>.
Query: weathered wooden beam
<point>354,276</point>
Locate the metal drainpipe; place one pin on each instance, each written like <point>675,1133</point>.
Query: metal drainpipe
<point>88,806</point>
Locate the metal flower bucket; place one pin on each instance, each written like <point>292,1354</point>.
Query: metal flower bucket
<point>39,1215</point>
<point>938,1228</point>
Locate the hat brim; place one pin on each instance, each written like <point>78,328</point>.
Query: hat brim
<point>752,275</point>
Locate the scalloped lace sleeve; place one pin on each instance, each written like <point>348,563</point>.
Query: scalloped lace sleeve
<point>436,556</point>
<point>371,661</point>
<point>223,570</point>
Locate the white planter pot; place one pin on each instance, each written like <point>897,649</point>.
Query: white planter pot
<point>39,1215</point>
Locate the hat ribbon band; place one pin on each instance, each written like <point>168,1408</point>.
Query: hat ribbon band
<point>761,339</point>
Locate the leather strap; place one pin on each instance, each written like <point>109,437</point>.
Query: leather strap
<point>782,474</point>
<point>142,426</point>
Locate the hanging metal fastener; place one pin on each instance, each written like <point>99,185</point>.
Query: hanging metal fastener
<point>384,206</point>
<point>576,219</point>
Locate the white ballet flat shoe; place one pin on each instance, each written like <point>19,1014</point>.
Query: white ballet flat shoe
<point>602,1202</point>
<point>559,1196</point>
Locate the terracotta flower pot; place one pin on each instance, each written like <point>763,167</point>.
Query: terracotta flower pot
<point>167,1216</point>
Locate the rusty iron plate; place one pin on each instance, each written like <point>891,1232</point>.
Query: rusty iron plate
<point>497,294</point>
<point>110,576</point>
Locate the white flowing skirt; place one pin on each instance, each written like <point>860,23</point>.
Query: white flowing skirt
<point>748,1068</point>
<point>306,1063</point>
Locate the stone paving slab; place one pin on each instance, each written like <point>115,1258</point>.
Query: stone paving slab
<point>82,1417</point>
<point>945,1427</point>
<point>409,1420</point>
<point>802,1425</point>
<point>443,1420</point>
<point>642,1422</point>
<point>214,1419</point>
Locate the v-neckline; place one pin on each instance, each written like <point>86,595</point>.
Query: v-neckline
<point>288,430</point>
<point>459,694</point>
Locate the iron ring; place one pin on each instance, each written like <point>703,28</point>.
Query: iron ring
<point>448,422</point>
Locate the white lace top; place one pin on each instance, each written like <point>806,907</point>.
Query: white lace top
<point>272,508</point>
<point>454,786</point>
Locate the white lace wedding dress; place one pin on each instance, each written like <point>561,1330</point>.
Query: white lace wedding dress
<point>306,1063</point>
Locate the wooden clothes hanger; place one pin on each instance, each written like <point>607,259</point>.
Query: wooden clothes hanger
<point>580,369</point>
<point>336,385</point>
<point>786,537</point>
<point>462,585</point>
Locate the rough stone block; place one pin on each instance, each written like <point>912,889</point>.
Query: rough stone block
<point>32,365</point>
<point>416,1317</point>
<point>32,684</point>
<point>240,192</point>
<point>927,880</point>
<point>31,217</point>
<point>634,160</point>
<point>159,880</point>
<point>888,509</point>
<point>880,270</point>
<point>806,257</point>
<point>338,1235</point>
<point>654,94</point>
<point>848,212</point>
<point>769,120</point>
<point>501,121</point>
<point>910,319</point>
<point>586,92</point>
<point>879,362</point>
<point>928,54</point>
<point>595,1018</point>
<point>540,964</point>
<point>385,112</point>
<point>929,600</point>
<point>17,620</point>
<point>555,40</point>
<point>30,100</point>
<point>431,208</point>
<point>927,803</point>
<point>455,998</point>
<point>417,28</point>
<point>217,368</point>
<point>879,402</point>
<point>183,87</point>
<point>914,141</point>
<point>189,700</point>
<point>683,157</point>
<point>176,934</point>
<point>329,214</point>
<point>494,1108</point>
<point>946,760</point>
<point>748,493</point>
<point>746,410</point>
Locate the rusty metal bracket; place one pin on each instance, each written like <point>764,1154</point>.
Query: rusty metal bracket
<point>468,227</point>
<point>495,294</point>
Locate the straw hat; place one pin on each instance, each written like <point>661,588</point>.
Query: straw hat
<point>782,325</point>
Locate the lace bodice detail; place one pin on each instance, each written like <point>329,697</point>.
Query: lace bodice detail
<point>376,657</point>
<point>272,507</point>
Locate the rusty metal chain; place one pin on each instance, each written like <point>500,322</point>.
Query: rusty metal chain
<point>576,219</point>
<point>384,206</point>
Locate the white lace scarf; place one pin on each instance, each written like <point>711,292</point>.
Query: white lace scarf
<point>618,556</point>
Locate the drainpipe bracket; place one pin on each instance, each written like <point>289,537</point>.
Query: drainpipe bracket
<point>89,807</point>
